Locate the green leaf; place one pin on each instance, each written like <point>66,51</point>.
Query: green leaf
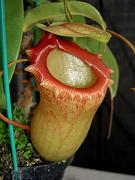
<point>14,23</point>
<point>77,30</point>
<point>107,56</point>
<point>37,34</point>
<point>110,61</point>
<point>79,19</point>
<point>56,12</point>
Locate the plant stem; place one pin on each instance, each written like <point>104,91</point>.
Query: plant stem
<point>68,14</point>
<point>111,119</point>
<point>132,47</point>
<point>16,124</point>
<point>122,38</point>
<point>13,63</point>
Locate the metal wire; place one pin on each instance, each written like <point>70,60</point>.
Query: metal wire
<point>6,83</point>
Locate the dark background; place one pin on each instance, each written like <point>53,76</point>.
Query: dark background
<point>118,153</point>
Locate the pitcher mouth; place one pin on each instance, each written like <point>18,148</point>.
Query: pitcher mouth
<point>69,69</point>
<point>40,68</point>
